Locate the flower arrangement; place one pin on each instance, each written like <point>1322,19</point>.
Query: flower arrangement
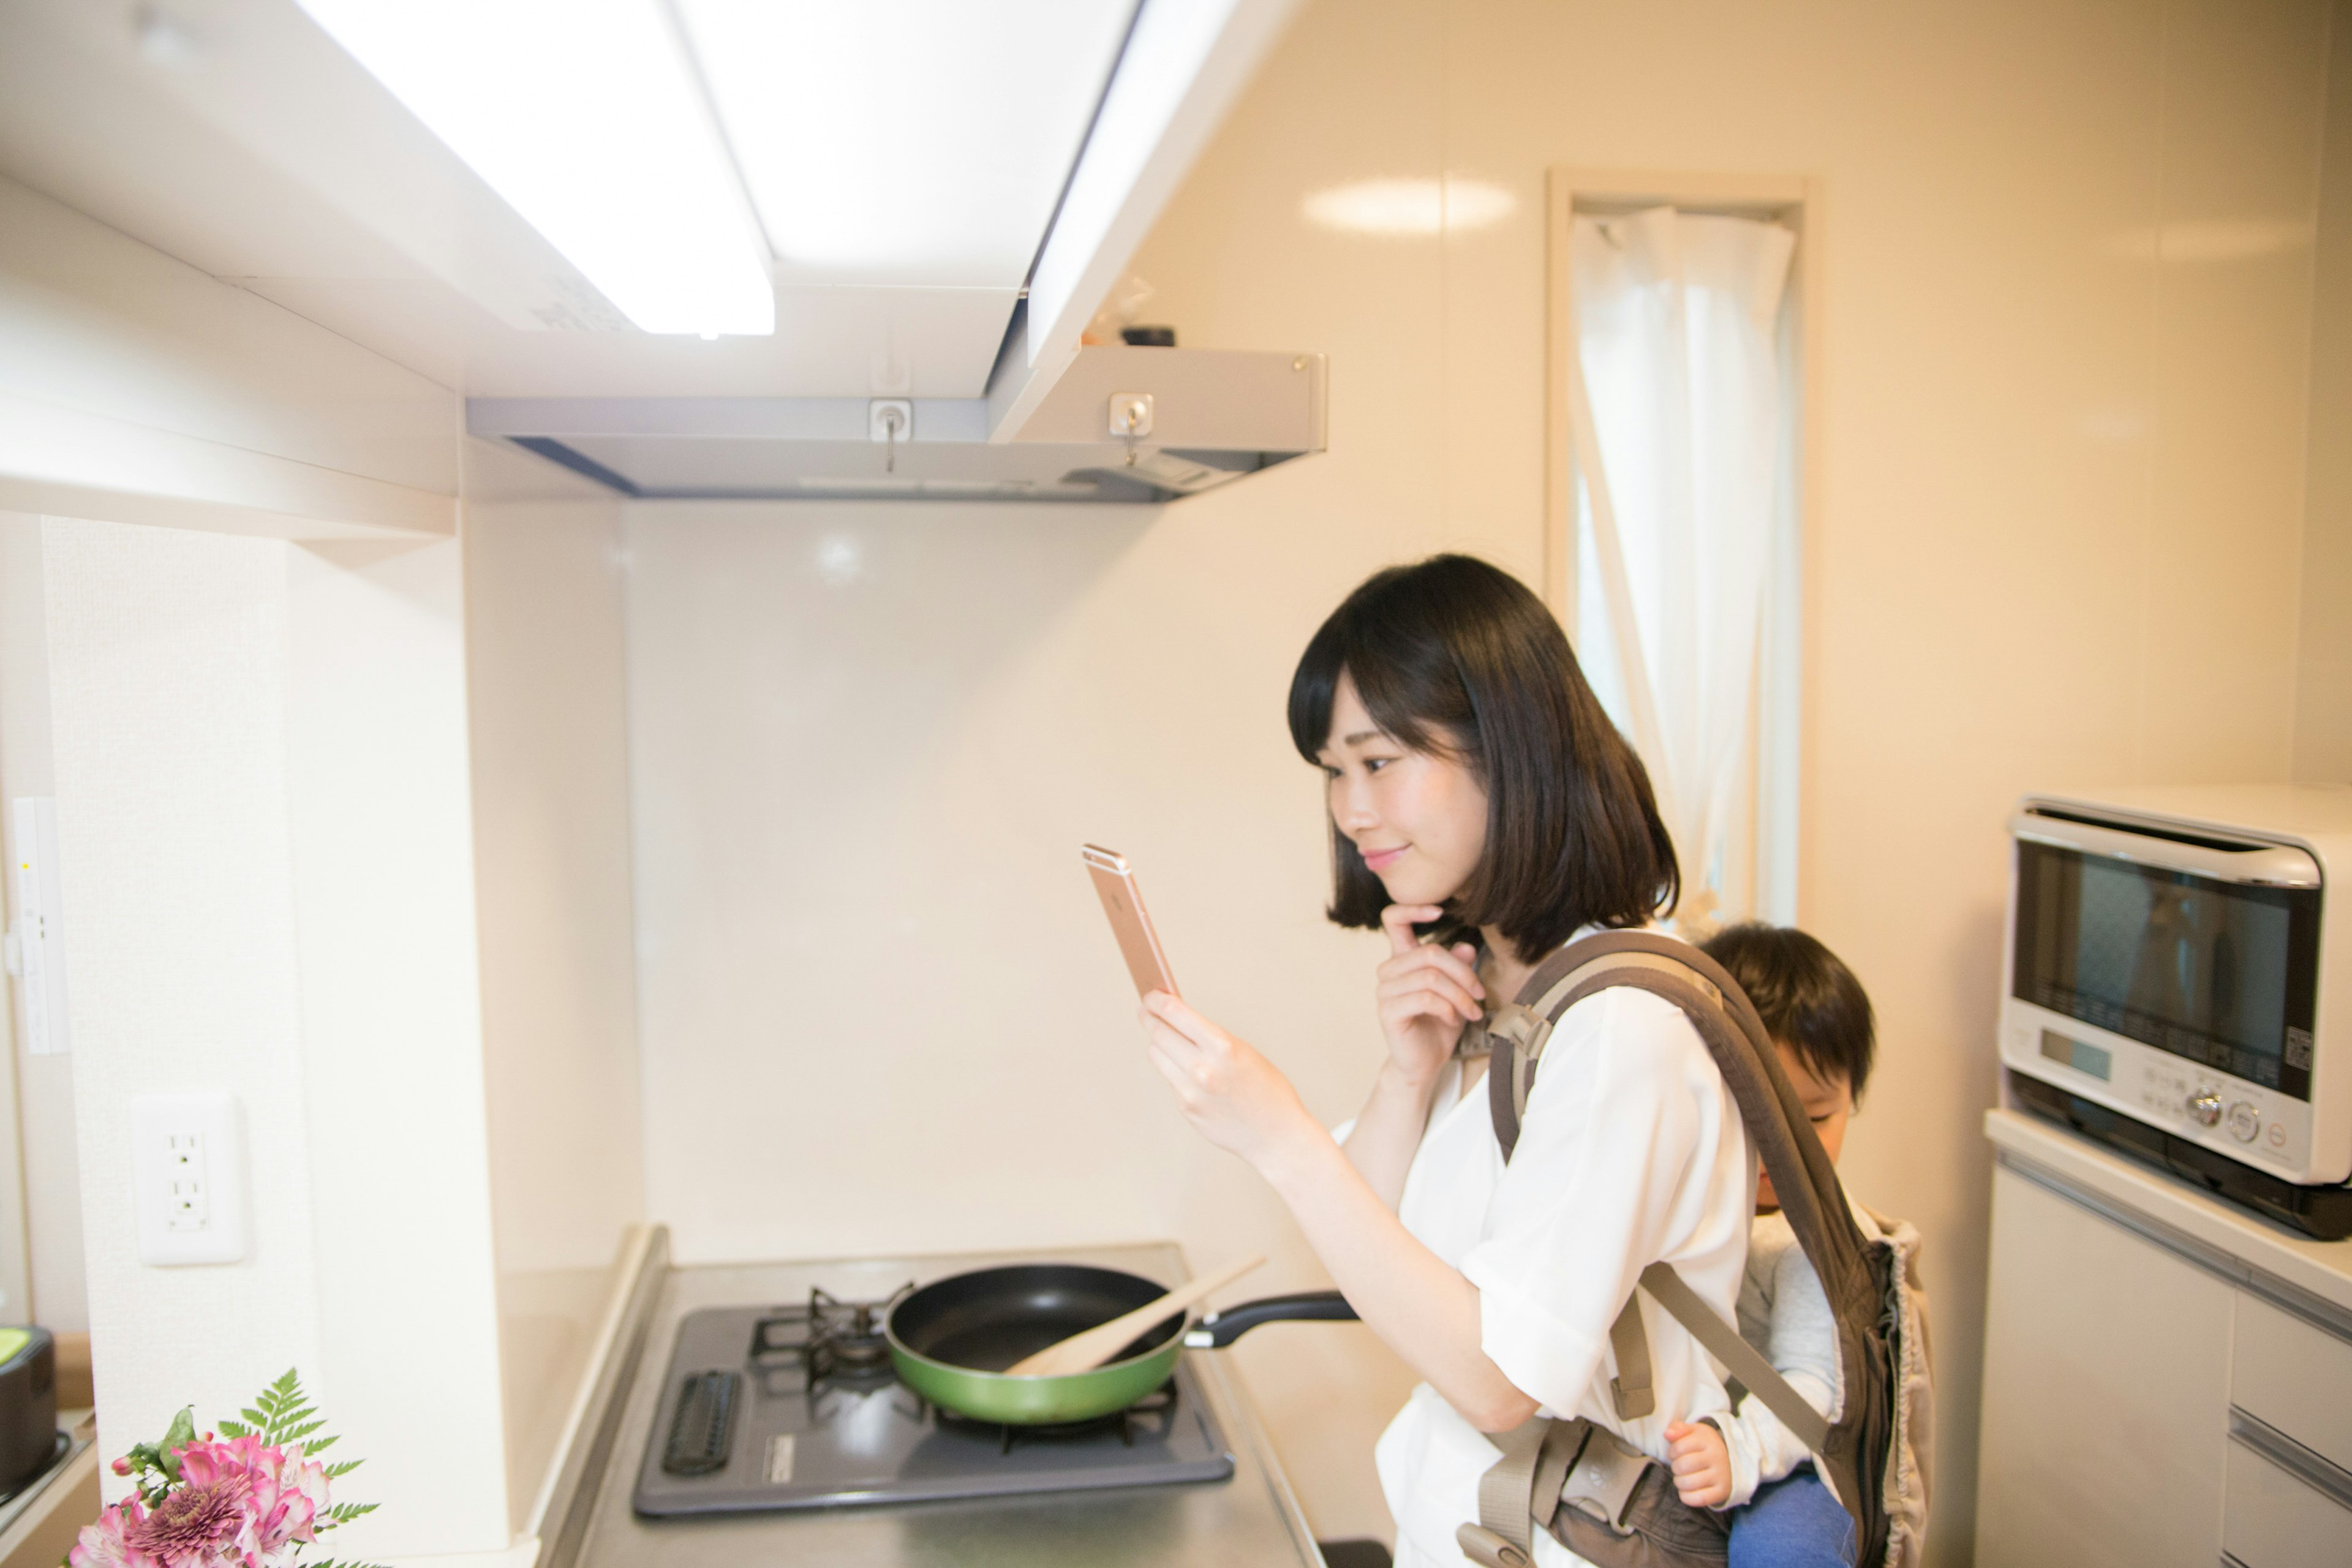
<point>252,1496</point>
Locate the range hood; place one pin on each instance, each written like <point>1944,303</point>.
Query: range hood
<point>1119,424</point>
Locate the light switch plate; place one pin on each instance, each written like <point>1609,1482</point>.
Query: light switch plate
<point>188,1163</point>
<point>39,959</point>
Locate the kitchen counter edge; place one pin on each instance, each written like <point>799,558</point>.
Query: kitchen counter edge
<point>2311,1275</point>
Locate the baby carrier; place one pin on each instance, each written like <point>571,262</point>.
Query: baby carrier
<point>1602,1498</point>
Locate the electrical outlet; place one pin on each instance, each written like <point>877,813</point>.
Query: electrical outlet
<point>188,1175</point>
<point>183,1158</point>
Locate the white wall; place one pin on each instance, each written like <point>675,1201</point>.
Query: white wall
<point>558,986</point>
<point>880,1010</point>
<point>2065,335</point>
<point>40,1189</point>
<point>168,669</point>
<point>262,776</point>
<point>448,1134</point>
<point>393,1059</point>
<point>137,388</point>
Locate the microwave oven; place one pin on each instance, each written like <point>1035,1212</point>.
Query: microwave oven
<point>2176,983</point>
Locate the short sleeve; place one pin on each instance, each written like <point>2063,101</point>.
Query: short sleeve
<point>1617,1166</point>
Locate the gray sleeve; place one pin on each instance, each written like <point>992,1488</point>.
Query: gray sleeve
<point>1803,1343</point>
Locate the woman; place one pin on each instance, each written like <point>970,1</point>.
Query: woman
<point>1478,792</point>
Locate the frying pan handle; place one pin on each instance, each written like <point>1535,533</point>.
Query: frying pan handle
<point>1219,1330</point>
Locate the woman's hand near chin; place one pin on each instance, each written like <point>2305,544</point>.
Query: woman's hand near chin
<point>1238,1100</point>
<point>1427,994</point>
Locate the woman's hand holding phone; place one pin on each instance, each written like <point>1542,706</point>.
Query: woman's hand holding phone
<point>1427,991</point>
<point>1225,1087</point>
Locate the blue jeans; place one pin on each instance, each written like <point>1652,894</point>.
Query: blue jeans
<point>1792,1524</point>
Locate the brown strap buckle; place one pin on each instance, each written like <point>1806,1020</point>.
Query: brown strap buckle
<point>1604,1476</point>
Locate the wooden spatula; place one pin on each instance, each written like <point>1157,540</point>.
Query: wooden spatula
<point>1088,1349</point>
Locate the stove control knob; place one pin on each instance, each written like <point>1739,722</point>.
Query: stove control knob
<point>2205,1109</point>
<point>2244,1123</point>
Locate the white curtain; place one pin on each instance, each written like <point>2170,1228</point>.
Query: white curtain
<point>1681,445</point>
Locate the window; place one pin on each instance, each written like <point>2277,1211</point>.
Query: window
<point>1675,503</point>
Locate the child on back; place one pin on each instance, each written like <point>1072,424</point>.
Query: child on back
<point>1816,1013</point>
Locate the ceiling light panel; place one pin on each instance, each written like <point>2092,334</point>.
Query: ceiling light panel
<point>584,117</point>
<point>917,143</point>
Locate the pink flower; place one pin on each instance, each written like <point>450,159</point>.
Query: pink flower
<point>107,1543</point>
<point>237,1504</point>
<point>201,1526</point>
<point>278,1497</point>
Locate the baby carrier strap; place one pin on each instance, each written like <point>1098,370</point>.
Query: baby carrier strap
<point>1849,1453</point>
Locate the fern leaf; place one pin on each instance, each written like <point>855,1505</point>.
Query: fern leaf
<point>336,1471</point>
<point>287,1440</point>
<point>315,1444</point>
<point>234,1429</point>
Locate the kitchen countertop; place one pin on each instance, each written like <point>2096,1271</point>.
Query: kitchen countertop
<point>1250,1518</point>
<point>2223,1237</point>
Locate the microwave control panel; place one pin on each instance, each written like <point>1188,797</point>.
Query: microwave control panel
<point>2258,1126</point>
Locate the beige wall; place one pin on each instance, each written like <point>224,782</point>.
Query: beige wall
<point>2322,719</point>
<point>550,836</point>
<point>2065,333</point>
<point>2067,280</point>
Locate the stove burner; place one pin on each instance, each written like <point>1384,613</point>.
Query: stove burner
<point>830,1338</point>
<point>1155,1414</point>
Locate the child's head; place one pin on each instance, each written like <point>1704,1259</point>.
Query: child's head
<point>1815,1011</point>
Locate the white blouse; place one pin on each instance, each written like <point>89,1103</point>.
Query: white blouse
<point>1631,1151</point>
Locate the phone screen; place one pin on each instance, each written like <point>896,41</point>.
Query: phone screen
<point>1123,903</point>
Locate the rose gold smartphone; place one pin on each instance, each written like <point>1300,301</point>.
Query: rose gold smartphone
<point>1123,903</point>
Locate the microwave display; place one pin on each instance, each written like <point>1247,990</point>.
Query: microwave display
<point>2220,974</point>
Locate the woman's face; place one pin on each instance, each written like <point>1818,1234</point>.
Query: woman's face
<point>1419,820</point>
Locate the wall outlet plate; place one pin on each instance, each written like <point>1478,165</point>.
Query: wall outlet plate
<point>188,1163</point>
<point>37,946</point>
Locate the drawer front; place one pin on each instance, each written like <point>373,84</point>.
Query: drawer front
<point>2271,1519</point>
<point>2293,1377</point>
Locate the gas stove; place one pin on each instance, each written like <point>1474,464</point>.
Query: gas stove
<point>779,1407</point>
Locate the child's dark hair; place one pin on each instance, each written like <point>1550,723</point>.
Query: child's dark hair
<point>1454,657</point>
<point>1809,999</point>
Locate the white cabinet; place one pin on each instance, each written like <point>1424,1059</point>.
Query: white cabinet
<point>2167,1381</point>
<point>2276,1519</point>
<point>2293,1376</point>
<point>2106,1393</point>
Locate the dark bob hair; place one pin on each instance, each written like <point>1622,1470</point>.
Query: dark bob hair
<point>1809,999</point>
<point>1455,658</point>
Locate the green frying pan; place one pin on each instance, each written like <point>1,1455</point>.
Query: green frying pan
<point>952,1340</point>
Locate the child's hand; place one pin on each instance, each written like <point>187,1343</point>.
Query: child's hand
<point>1701,1462</point>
